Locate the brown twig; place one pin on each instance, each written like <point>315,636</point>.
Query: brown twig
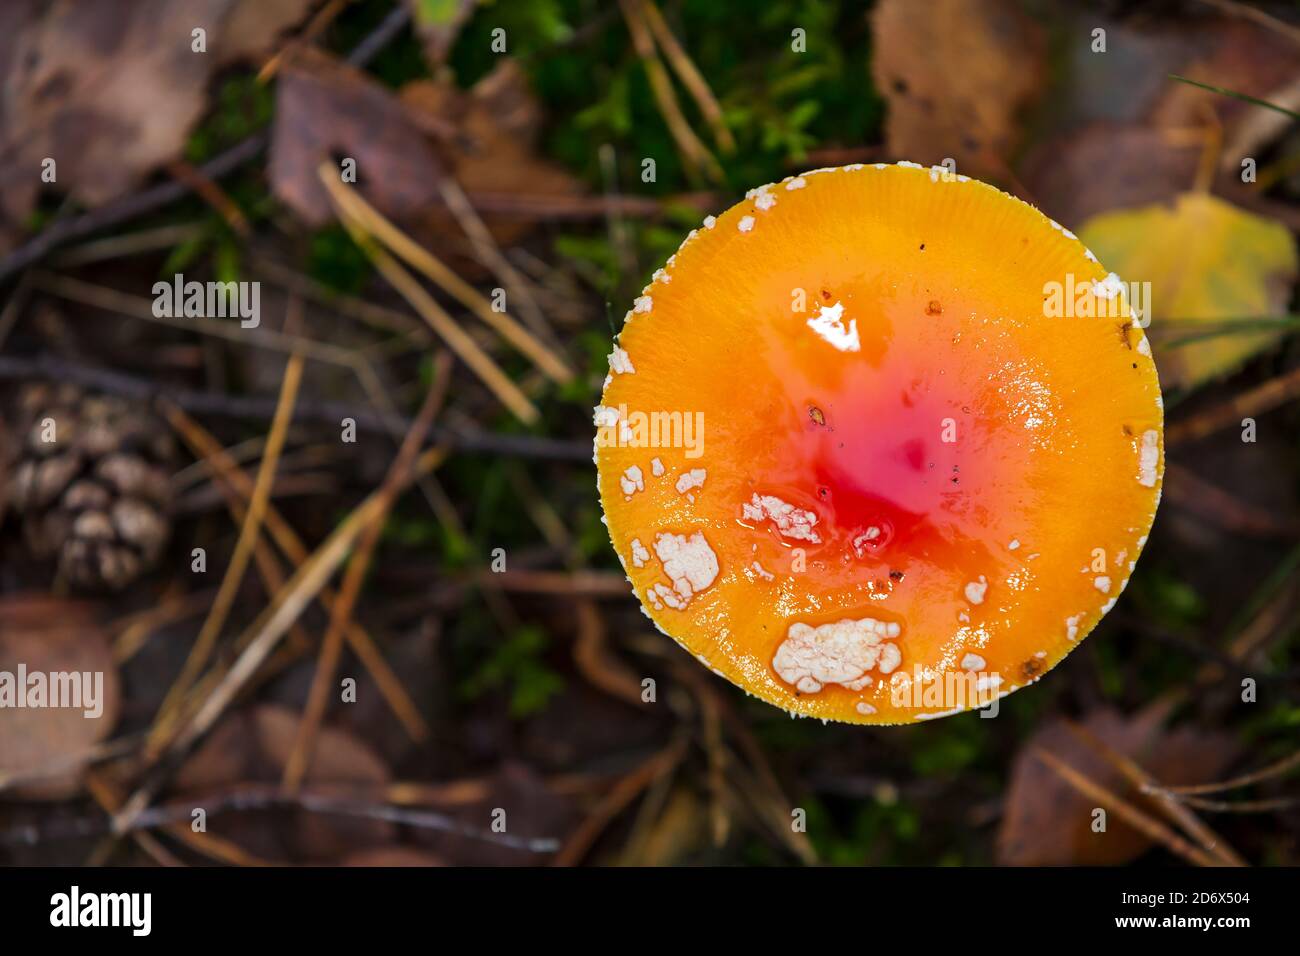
<point>236,483</point>
<point>1192,492</point>
<point>1263,398</point>
<point>579,208</point>
<point>102,792</point>
<point>590,648</point>
<point>1264,625</point>
<point>591,655</point>
<point>466,349</point>
<point>128,244</point>
<point>212,194</point>
<point>575,584</point>
<point>1242,806</point>
<point>104,750</point>
<point>210,845</point>
<point>327,800</point>
<point>1150,827</point>
<point>758,783</point>
<point>322,18</point>
<point>1283,766</point>
<point>421,259</point>
<point>304,745</point>
<point>1178,814</point>
<point>259,408</point>
<point>268,565</point>
<point>369,313</point>
<point>262,636</point>
<point>1261,17</point>
<point>580,842</point>
<point>142,308</point>
<point>244,545</point>
<point>486,252</point>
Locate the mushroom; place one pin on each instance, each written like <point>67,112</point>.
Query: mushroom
<point>853,461</point>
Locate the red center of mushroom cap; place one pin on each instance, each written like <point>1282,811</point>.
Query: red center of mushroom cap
<point>894,446</point>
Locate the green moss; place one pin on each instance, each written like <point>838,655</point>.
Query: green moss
<point>242,106</point>
<point>516,666</point>
<point>334,260</point>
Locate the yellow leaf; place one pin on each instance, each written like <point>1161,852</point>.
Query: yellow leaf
<point>1209,264</point>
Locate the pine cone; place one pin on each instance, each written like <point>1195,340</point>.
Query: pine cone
<point>91,483</point>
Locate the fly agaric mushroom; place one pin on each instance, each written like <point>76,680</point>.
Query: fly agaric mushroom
<point>855,459</point>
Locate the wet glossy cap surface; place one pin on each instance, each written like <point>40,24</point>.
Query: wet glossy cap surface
<point>859,456</point>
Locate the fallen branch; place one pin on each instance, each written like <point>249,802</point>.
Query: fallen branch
<point>269,797</point>
<point>261,408</point>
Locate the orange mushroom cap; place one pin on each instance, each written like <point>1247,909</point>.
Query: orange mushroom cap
<point>855,461</point>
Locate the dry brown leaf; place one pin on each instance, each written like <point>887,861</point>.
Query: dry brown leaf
<point>252,746</point>
<point>956,74</point>
<point>1127,134</point>
<point>110,90</point>
<point>48,635</point>
<point>253,29</point>
<point>326,109</point>
<point>97,88</point>
<point>1046,822</point>
<point>1105,166</point>
<point>493,149</point>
